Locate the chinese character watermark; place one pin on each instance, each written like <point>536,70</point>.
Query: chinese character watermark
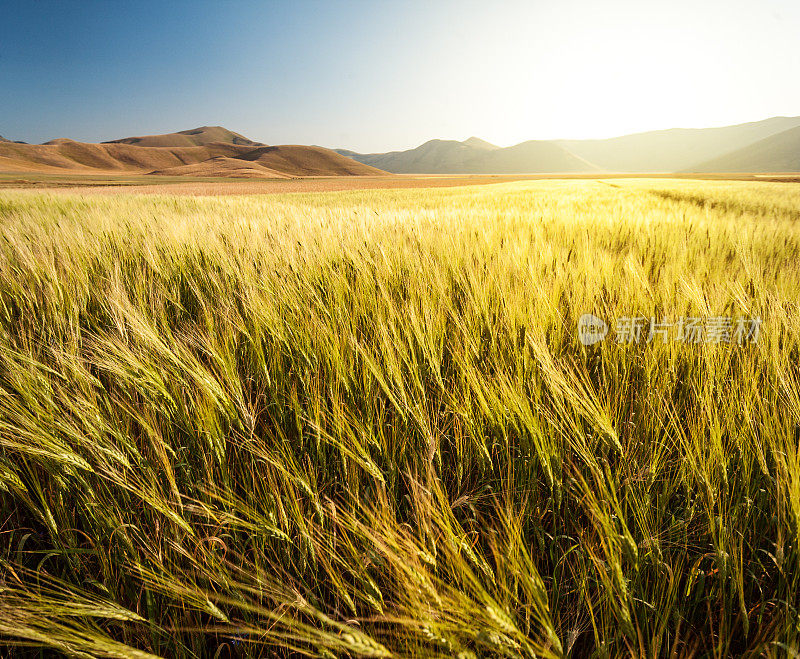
<point>686,329</point>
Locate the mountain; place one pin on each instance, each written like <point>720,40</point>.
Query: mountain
<point>475,156</point>
<point>673,150</point>
<point>194,137</point>
<point>213,158</point>
<point>432,157</point>
<point>533,157</point>
<point>478,143</point>
<point>777,153</point>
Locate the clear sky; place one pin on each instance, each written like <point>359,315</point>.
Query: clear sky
<point>382,75</point>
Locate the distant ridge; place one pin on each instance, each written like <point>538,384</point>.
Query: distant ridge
<point>771,145</point>
<point>675,149</point>
<point>662,151</point>
<point>193,137</point>
<point>211,151</point>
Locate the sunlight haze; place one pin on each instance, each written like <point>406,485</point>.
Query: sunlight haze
<point>380,76</point>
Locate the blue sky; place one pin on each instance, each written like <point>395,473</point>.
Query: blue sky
<point>379,75</point>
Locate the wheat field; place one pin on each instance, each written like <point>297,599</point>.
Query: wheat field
<point>362,424</point>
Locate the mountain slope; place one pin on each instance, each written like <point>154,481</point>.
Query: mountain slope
<point>194,137</point>
<point>433,157</point>
<point>224,167</point>
<point>477,142</point>
<point>675,149</point>
<point>64,154</point>
<point>300,160</point>
<point>777,153</point>
<point>533,157</point>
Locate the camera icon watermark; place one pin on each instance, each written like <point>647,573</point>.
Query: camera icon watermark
<point>591,329</point>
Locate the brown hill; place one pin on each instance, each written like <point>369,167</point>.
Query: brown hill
<point>217,159</point>
<point>194,137</point>
<point>224,167</point>
<point>63,154</point>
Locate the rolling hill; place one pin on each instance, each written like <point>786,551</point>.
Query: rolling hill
<point>223,166</point>
<point>777,153</point>
<point>673,150</point>
<point>152,155</point>
<point>532,157</point>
